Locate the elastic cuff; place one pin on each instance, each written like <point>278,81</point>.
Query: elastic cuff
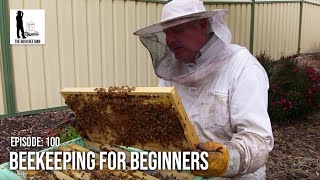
<point>234,162</point>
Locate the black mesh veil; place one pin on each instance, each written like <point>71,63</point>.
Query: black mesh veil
<point>166,65</point>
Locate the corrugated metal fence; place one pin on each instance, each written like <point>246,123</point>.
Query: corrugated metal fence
<point>310,36</point>
<point>90,43</point>
<point>2,99</point>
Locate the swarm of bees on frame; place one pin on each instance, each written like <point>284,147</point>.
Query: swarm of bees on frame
<point>40,175</point>
<point>130,119</point>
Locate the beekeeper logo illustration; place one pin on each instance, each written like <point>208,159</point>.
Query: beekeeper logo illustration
<point>27,26</point>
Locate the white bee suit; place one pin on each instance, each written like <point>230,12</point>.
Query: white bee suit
<point>230,107</point>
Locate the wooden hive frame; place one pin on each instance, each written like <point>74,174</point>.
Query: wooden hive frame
<point>191,139</point>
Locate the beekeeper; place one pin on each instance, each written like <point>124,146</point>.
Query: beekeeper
<point>224,89</point>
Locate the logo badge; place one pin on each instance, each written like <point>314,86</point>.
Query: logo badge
<point>27,26</point>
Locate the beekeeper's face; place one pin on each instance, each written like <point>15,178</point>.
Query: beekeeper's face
<point>186,40</point>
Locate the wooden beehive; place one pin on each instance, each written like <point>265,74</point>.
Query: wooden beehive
<point>105,173</point>
<point>149,118</point>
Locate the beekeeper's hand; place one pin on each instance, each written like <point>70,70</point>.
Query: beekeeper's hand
<point>218,160</point>
<point>74,123</point>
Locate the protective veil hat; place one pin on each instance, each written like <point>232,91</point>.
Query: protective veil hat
<point>179,12</point>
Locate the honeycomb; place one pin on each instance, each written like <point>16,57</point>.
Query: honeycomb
<point>112,116</point>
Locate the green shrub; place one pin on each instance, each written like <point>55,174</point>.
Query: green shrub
<point>294,90</point>
<point>68,133</point>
